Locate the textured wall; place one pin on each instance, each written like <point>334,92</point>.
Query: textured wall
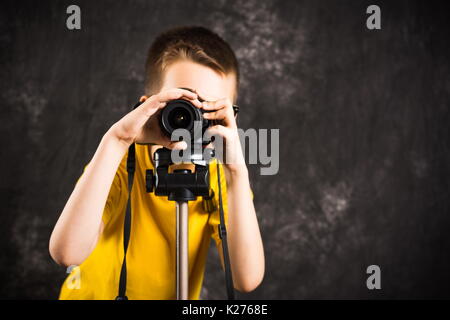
<point>363,118</point>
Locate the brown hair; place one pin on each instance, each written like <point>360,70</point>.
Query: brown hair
<point>194,43</point>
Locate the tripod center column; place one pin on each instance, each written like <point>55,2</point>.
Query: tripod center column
<point>182,251</point>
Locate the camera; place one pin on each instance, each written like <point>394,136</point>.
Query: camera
<point>182,114</point>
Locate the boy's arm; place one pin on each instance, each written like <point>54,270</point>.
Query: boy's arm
<point>80,224</point>
<point>78,228</point>
<point>244,239</point>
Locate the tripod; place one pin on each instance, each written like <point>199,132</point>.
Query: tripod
<point>180,186</point>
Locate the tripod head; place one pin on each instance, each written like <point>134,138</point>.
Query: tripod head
<point>181,184</point>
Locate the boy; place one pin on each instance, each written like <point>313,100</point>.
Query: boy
<point>89,231</point>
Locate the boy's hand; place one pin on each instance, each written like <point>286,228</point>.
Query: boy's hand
<point>141,125</point>
<point>222,112</point>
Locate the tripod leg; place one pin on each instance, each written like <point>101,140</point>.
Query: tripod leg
<point>182,251</point>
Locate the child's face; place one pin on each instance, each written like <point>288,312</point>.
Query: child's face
<point>209,84</point>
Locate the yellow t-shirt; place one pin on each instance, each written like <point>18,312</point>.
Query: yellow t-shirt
<point>151,251</point>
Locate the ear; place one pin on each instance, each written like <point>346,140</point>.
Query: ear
<point>143,98</point>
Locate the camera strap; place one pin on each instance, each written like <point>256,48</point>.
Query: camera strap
<point>223,236</point>
<point>131,166</point>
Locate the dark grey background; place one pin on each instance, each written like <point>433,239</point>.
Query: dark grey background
<point>363,118</point>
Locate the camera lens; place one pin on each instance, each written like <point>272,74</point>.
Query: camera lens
<point>181,114</point>
<point>180,118</point>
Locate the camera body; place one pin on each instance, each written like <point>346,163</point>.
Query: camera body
<point>182,114</point>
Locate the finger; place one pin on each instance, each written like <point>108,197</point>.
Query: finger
<point>212,105</point>
<point>149,107</point>
<point>178,93</point>
<point>217,130</point>
<point>173,94</point>
<point>159,101</point>
<point>197,103</point>
<point>210,145</point>
<point>219,104</point>
<point>176,145</point>
<point>224,115</point>
<point>216,115</point>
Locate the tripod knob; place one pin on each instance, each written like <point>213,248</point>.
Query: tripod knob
<point>149,182</point>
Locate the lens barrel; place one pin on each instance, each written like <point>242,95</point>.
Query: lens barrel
<point>181,114</point>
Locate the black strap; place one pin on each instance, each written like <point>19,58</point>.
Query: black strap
<point>223,236</point>
<point>131,160</point>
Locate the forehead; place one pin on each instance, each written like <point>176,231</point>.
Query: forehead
<point>209,84</point>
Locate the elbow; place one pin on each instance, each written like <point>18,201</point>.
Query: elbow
<point>62,255</point>
<point>64,259</point>
<point>247,286</point>
<point>250,283</point>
